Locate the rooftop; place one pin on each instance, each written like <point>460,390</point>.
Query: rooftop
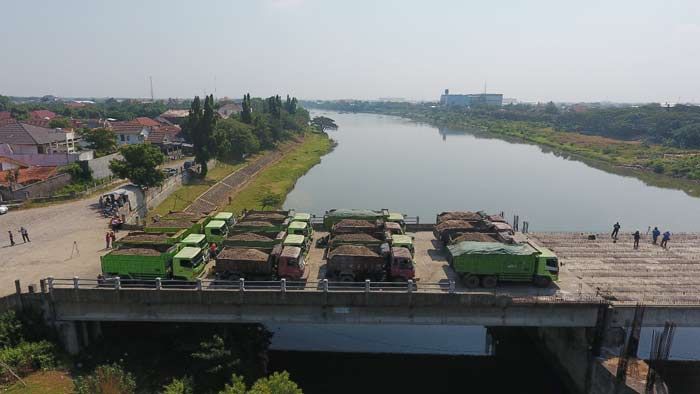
<point>24,134</point>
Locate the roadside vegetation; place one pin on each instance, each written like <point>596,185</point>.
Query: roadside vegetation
<point>269,188</point>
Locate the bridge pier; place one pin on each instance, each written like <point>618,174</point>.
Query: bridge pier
<point>68,333</point>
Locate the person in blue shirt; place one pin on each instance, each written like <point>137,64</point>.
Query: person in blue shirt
<point>655,235</point>
<point>665,239</point>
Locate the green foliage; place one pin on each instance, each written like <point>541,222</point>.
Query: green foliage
<point>61,123</point>
<point>200,128</point>
<point>215,359</point>
<point>79,173</point>
<point>106,379</point>
<point>11,333</point>
<point>246,113</point>
<point>5,103</point>
<point>270,200</point>
<point>234,139</point>
<point>102,141</point>
<point>29,356</point>
<point>140,165</point>
<point>323,123</point>
<point>179,386</point>
<point>277,383</point>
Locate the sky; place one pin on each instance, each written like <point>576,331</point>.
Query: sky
<point>538,50</point>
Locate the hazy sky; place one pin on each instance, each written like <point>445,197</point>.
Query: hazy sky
<point>618,50</point>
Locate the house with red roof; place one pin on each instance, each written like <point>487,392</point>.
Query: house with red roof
<point>130,132</point>
<point>43,114</point>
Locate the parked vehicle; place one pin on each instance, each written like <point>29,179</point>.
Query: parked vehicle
<point>403,241</point>
<point>3,209</point>
<point>155,261</point>
<point>254,240</point>
<point>299,241</point>
<point>336,240</point>
<point>227,217</point>
<point>451,228</point>
<point>136,238</point>
<point>300,228</point>
<point>349,263</point>
<point>216,231</point>
<point>488,263</point>
<point>277,217</point>
<point>335,215</point>
<point>260,263</point>
<point>259,227</point>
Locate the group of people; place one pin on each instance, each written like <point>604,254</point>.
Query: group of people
<point>655,234</point>
<point>110,237</point>
<point>23,232</point>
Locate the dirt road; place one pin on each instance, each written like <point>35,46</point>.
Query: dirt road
<point>52,231</point>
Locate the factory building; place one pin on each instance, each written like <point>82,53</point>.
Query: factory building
<point>471,100</point>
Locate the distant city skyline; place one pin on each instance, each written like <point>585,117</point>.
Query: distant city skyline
<point>539,50</point>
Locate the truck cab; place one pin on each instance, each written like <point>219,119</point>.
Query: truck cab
<point>301,217</point>
<point>227,217</point>
<point>189,263</point>
<point>299,241</point>
<point>216,231</point>
<point>547,270</point>
<point>403,241</point>
<point>300,228</point>
<point>290,263</point>
<point>396,217</point>
<point>197,241</point>
<point>401,264</point>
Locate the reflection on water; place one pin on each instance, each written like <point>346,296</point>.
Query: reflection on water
<point>388,162</point>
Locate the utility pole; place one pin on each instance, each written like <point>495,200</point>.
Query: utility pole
<point>151,78</point>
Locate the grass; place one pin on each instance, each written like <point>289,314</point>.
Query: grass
<point>281,177</point>
<point>43,382</point>
<point>186,194</point>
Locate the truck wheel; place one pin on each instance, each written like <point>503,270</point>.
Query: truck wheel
<point>471,281</point>
<point>489,281</point>
<point>542,281</point>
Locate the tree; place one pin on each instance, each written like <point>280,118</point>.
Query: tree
<point>277,383</point>
<point>200,126</point>
<point>270,200</point>
<point>106,379</point>
<point>140,164</point>
<point>234,140</point>
<point>60,123</point>
<point>247,111</point>
<point>179,386</point>
<point>5,103</point>
<point>102,141</point>
<point>323,123</point>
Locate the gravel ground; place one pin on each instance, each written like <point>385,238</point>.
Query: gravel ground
<point>52,231</point>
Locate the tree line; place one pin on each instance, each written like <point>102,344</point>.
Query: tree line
<point>677,126</point>
<point>261,125</point>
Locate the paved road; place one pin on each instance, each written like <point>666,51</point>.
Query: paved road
<point>52,231</point>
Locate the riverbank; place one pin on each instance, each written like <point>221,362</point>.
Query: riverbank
<point>656,165</point>
<point>279,178</point>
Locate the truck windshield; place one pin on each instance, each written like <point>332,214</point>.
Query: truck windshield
<point>552,265</point>
<point>404,264</point>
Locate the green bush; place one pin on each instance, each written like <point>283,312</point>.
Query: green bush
<point>29,356</point>
<point>106,379</point>
<point>10,330</point>
<point>179,386</point>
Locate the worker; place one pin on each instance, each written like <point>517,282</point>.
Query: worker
<point>12,239</point>
<point>655,235</point>
<point>665,239</point>
<point>212,249</point>
<point>616,229</point>
<point>636,239</point>
<point>25,234</point>
<point>108,240</point>
<point>101,202</point>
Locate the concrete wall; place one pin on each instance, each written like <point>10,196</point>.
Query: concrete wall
<point>39,189</point>
<point>100,166</point>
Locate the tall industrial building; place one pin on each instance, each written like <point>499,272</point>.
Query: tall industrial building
<point>471,100</point>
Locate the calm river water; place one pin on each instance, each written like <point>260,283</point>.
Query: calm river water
<point>420,170</point>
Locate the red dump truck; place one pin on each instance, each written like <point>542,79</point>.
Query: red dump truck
<point>278,262</point>
<point>349,263</point>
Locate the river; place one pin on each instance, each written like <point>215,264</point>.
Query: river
<point>420,170</point>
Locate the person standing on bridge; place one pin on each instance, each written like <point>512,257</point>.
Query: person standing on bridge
<point>616,229</point>
<point>636,239</point>
<point>655,235</point>
<point>665,239</point>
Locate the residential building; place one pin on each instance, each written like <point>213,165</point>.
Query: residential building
<point>229,109</point>
<point>471,100</point>
<point>24,138</point>
<point>175,116</point>
<point>130,132</point>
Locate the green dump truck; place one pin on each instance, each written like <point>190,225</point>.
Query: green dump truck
<point>258,227</point>
<point>335,215</point>
<point>278,217</point>
<point>216,231</point>
<point>227,217</point>
<point>300,228</point>
<point>174,226</point>
<point>300,241</point>
<point>155,261</point>
<point>254,240</point>
<point>144,238</point>
<point>488,263</point>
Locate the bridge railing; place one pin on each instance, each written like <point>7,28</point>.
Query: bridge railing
<point>324,285</point>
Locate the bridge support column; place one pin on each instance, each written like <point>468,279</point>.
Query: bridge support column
<point>68,332</point>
